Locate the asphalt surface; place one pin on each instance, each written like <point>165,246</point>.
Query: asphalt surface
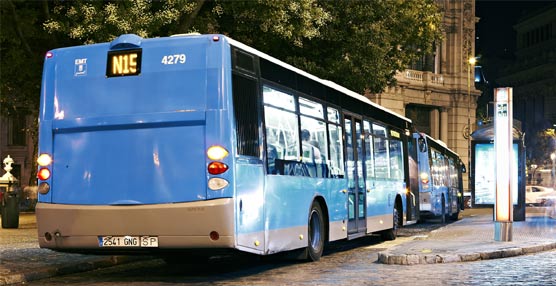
<point>469,239</point>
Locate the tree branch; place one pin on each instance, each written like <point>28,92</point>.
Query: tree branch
<point>18,29</point>
<point>185,24</point>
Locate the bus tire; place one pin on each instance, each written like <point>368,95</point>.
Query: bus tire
<point>459,207</point>
<point>391,234</point>
<point>316,233</point>
<point>444,216</point>
<point>455,216</point>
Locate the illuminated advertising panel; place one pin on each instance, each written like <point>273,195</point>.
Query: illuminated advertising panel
<point>485,174</point>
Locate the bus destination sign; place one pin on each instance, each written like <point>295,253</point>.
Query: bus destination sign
<point>123,63</point>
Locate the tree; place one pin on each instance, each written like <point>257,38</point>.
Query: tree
<point>545,144</point>
<point>23,44</point>
<point>368,40</point>
<point>100,21</point>
<point>358,44</point>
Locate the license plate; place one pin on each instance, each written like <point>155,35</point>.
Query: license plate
<point>128,241</point>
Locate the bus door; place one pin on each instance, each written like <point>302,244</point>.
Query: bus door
<point>413,194</point>
<point>357,225</point>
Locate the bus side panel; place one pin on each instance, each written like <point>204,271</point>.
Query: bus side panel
<point>131,166</point>
<point>380,203</point>
<point>250,207</point>
<point>288,202</point>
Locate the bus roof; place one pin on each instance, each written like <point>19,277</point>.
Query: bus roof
<point>328,83</point>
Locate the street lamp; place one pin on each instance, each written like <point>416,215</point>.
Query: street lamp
<point>470,64</point>
<point>553,157</point>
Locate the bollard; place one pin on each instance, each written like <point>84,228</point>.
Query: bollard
<point>10,210</point>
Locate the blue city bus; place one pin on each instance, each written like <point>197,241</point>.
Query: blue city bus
<point>199,142</point>
<point>439,178</point>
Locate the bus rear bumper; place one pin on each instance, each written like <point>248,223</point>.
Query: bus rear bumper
<point>175,226</point>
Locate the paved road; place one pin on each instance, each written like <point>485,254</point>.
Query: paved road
<point>355,266</point>
<point>345,263</point>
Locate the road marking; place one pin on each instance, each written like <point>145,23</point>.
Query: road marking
<point>388,244</point>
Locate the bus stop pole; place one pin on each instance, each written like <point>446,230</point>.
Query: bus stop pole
<point>503,141</point>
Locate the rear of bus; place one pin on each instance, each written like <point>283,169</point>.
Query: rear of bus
<point>135,143</point>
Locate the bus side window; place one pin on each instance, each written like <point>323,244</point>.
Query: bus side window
<point>380,148</point>
<point>396,159</point>
<point>336,163</point>
<point>313,137</point>
<point>422,145</point>
<point>282,141</point>
<point>245,101</point>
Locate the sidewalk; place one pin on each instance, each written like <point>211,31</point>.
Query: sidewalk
<point>470,239</point>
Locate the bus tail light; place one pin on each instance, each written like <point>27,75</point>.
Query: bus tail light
<point>217,168</point>
<point>43,174</point>
<point>44,160</point>
<point>44,188</point>
<point>216,184</point>
<point>424,178</point>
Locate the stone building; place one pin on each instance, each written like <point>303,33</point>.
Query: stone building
<point>438,93</point>
<point>533,77</point>
<point>16,141</point>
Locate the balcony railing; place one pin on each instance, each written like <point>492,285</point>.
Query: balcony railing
<point>420,78</point>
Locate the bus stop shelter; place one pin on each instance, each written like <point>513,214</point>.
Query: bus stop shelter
<point>482,170</point>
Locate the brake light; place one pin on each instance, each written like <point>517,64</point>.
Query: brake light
<point>216,168</point>
<point>43,174</point>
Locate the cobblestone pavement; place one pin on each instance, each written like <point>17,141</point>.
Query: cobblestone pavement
<point>355,266</point>
<point>359,269</point>
<point>21,261</point>
<point>472,239</point>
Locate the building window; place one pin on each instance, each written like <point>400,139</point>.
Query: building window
<point>16,130</point>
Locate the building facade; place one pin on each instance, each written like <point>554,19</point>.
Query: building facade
<point>438,94</point>
<point>16,141</point>
<point>533,78</point>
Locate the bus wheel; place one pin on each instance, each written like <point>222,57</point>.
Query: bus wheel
<point>455,216</point>
<point>316,233</point>
<point>444,215</point>
<point>391,234</point>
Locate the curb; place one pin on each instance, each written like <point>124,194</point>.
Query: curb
<point>55,270</point>
<point>414,259</point>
